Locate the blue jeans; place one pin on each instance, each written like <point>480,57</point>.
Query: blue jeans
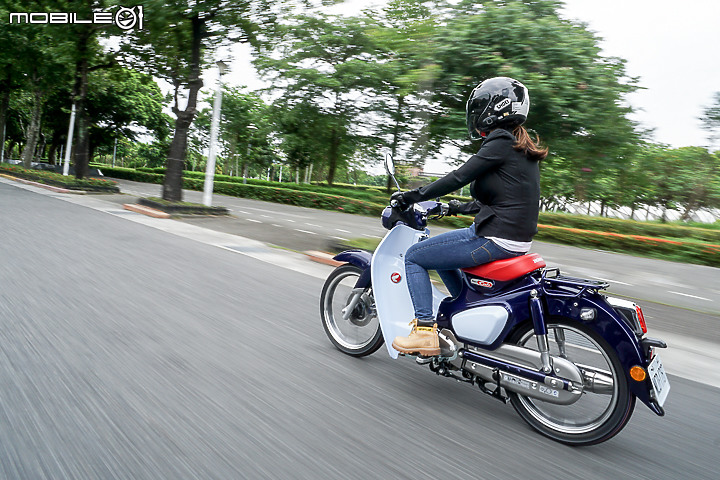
<point>447,253</point>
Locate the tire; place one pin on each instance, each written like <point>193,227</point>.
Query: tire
<point>360,334</point>
<point>595,417</point>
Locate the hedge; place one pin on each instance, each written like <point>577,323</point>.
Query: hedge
<point>156,175</point>
<point>290,197</point>
<point>633,240</point>
<point>132,174</point>
<point>691,252</point>
<point>629,227</point>
<point>59,180</point>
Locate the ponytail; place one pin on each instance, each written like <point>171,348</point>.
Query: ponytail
<point>527,145</point>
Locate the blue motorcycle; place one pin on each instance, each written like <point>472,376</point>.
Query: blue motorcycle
<point>571,360</point>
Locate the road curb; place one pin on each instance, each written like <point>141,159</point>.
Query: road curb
<point>43,185</point>
<point>323,257</point>
<point>150,212</point>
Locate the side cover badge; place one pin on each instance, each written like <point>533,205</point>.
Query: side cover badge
<point>395,277</point>
<point>482,283</point>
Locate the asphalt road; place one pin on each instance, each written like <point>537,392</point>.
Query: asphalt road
<point>138,348</point>
<point>692,287</point>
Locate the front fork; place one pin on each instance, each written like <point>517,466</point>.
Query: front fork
<point>354,300</point>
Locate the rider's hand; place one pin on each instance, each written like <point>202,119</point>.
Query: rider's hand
<point>453,207</point>
<point>405,199</point>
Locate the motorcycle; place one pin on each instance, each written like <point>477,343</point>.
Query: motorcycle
<point>571,360</point>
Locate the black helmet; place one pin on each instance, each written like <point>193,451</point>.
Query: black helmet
<point>496,102</point>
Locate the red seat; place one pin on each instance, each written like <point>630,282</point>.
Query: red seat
<point>508,269</point>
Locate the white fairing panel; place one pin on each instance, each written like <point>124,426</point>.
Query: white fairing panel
<point>480,324</point>
<point>392,297</point>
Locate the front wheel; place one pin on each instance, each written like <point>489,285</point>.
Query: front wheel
<point>598,415</point>
<point>348,314</point>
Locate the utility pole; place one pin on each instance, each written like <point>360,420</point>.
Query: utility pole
<point>210,167</point>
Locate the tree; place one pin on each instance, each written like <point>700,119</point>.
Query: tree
<point>174,46</point>
<point>302,133</point>
<point>403,33</point>
<point>576,94</point>
<point>688,178</point>
<point>35,57</point>
<point>245,128</point>
<point>124,103</point>
<point>711,118</point>
<point>327,64</point>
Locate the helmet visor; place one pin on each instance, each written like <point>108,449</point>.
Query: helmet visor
<point>473,125</point>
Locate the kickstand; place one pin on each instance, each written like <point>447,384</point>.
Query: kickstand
<point>497,391</point>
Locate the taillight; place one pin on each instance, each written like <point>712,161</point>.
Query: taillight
<point>641,318</point>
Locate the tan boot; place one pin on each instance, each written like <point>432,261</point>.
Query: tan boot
<point>422,340</point>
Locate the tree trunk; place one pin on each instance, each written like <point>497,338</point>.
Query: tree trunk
<point>81,149</point>
<point>33,130</point>
<point>172,185</point>
<point>10,149</point>
<point>4,105</point>
<point>55,142</point>
<point>333,155</point>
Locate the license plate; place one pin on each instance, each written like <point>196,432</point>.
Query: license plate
<point>659,380</point>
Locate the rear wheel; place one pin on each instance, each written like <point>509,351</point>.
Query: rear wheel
<point>597,416</point>
<point>348,314</point>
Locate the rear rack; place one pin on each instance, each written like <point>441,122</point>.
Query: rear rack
<point>568,286</point>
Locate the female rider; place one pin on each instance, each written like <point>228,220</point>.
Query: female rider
<point>504,179</point>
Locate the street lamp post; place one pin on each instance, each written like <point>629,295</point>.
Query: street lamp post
<point>68,145</point>
<point>247,157</point>
<point>210,168</point>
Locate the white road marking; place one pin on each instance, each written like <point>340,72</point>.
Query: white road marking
<point>612,281</point>
<point>371,236</point>
<point>305,231</point>
<point>691,296</point>
<point>243,212</point>
<point>276,225</point>
<point>312,225</point>
<point>341,230</point>
<point>287,219</point>
<point>253,220</point>
<point>341,238</point>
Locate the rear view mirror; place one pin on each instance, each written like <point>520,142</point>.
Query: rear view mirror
<point>389,164</point>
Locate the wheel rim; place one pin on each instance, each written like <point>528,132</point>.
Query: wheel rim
<point>361,328</point>
<point>592,410</point>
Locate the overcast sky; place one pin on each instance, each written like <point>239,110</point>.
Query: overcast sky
<point>672,46</point>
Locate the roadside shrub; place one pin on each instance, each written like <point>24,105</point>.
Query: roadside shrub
<point>664,241</point>
<point>58,180</point>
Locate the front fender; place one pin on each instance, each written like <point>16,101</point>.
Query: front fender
<point>615,331</point>
<point>361,259</point>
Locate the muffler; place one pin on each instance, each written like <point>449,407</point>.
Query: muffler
<point>518,369</point>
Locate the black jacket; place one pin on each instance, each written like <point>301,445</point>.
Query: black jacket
<point>505,188</point>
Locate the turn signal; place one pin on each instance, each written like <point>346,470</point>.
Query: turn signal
<point>638,373</point>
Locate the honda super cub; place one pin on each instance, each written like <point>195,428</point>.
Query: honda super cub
<point>571,360</point>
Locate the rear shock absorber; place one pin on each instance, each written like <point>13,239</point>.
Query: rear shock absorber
<point>538,319</point>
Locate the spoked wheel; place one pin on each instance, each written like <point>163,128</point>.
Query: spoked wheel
<point>348,314</point>
<point>606,403</point>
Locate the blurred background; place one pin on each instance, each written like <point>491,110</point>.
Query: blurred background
<point>625,94</point>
